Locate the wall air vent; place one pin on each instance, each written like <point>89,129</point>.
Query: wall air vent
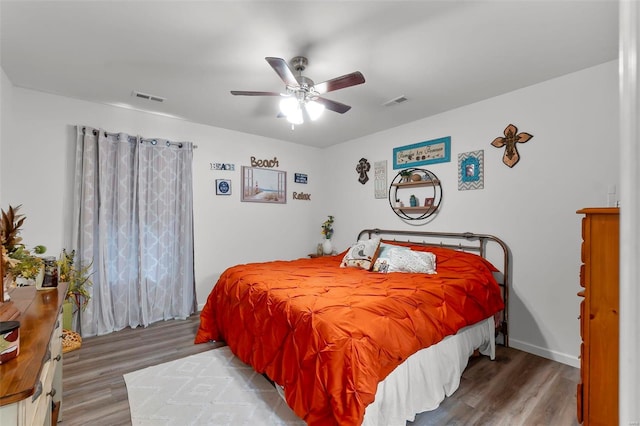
<point>398,100</point>
<point>148,96</point>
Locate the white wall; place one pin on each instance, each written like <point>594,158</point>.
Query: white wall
<point>6,97</point>
<point>37,171</point>
<point>567,165</point>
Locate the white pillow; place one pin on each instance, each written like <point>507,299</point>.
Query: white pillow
<point>361,255</point>
<point>401,259</point>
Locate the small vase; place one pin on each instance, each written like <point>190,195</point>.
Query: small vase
<point>67,314</point>
<point>327,247</point>
<point>40,278</point>
<point>7,283</point>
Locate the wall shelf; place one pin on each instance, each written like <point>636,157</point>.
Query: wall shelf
<point>428,188</point>
<point>418,209</point>
<point>415,184</point>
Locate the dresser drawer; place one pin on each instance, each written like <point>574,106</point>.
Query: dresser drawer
<point>55,346</point>
<point>582,321</point>
<point>36,408</point>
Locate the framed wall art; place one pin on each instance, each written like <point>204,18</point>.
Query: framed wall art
<point>380,179</point>
<point>418,154</point>
<point>223,186</point>
<point>471,170</point>
<point>264,185</point>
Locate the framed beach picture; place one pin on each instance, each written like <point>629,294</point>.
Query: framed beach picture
<point>264,185</point>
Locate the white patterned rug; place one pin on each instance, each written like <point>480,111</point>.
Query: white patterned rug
<point>210,388</point>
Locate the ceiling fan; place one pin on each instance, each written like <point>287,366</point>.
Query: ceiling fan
<point>302,98</point>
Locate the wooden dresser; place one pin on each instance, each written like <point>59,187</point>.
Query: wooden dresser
<point>597,396</point>
<point>31,383</point>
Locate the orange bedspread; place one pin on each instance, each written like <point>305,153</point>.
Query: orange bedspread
<point>330,334</point>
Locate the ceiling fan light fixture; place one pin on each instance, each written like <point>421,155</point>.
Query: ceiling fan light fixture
<point>295,118</point>
<point>289,105</point>
<point>303,97</point>
<point>314,109</point>
<point>292,111</point>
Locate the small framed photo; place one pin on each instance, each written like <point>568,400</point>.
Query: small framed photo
<point>223,186</point>
<point>428,202</point>
<point>471,170</point>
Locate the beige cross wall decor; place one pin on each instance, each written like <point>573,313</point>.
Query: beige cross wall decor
<point>511,137</point>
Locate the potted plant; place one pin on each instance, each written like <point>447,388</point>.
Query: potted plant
<point>79,280</point>
<point>28,267</point>
<point>327,231</point>
<point>17,260</point>
<point>406,174</point>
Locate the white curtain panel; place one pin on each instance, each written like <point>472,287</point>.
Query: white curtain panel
<point>133,209</point>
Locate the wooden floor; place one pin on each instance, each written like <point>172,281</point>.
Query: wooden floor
<point>516,389</point>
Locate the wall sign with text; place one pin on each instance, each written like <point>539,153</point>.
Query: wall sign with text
<point>301,196</point>
<point>266,163</point>
<point>222,166</point>
<point>417,154</point>
<point>300,178</point>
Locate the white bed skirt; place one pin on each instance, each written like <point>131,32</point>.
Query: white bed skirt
<point>423,381</point>
<point>425,378</point>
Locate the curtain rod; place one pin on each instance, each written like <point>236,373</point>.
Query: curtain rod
<point>151,141</point>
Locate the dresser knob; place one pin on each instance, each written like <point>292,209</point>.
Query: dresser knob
<point>52,392</point>
<point>58,357</point>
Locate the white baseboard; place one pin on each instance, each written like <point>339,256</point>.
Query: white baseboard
<point>545,353</point>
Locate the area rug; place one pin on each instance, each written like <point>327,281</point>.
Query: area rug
<point>210,388</point>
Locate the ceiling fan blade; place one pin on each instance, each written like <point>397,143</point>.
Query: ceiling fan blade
<point>333,105</point>
<point>252,93</point>
<point>280,66</point>
<point>346,80</point>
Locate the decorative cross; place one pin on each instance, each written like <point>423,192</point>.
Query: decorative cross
<point>511,156</point>
<point>363,167</point>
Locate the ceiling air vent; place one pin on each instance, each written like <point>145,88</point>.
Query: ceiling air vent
<point>398,100</point>
<point>148,96</point>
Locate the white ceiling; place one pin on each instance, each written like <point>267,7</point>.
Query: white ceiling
<point>438,54</point>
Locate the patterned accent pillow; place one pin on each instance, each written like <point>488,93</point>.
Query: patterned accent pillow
<point>381,263</point>
<point>402,259</point>
<point>362,254</point>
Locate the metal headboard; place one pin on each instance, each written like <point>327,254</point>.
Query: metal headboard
<point>464,241</point>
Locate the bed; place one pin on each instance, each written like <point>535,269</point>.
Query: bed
<point>356,339</point>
